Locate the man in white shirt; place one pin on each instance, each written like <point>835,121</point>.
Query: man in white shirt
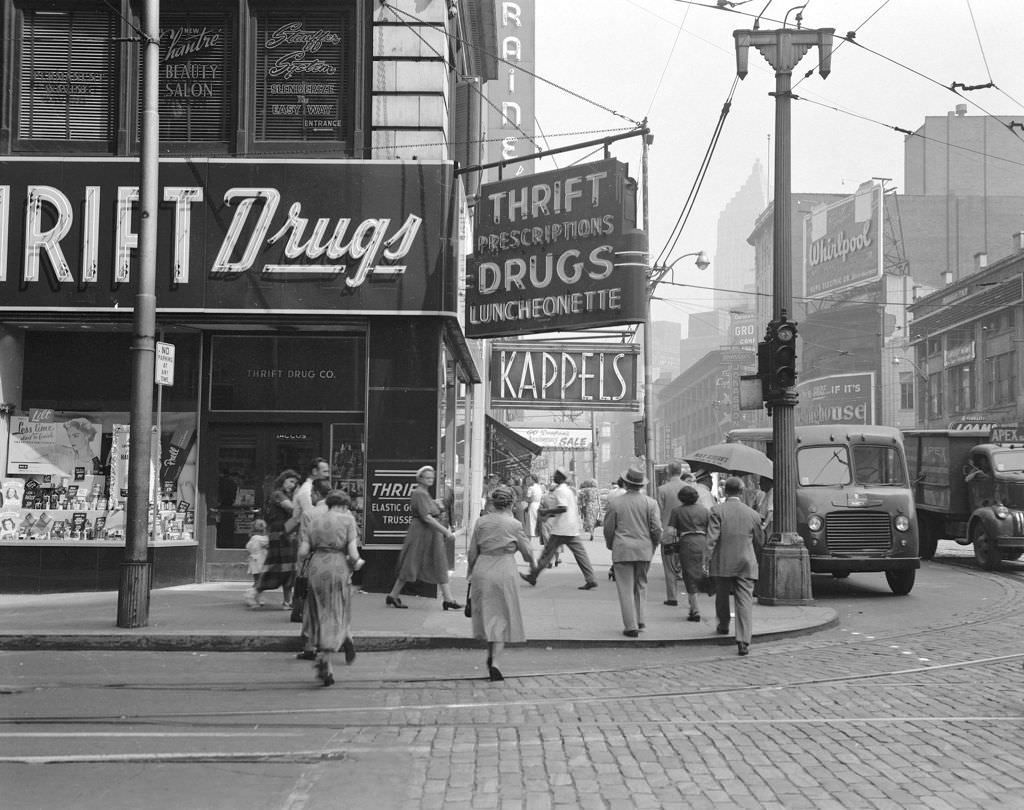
<point>565,531</point>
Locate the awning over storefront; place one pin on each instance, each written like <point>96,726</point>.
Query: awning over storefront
<point>508,454</point>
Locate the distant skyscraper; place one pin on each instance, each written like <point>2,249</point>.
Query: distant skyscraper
<point>665,358</point>
<point>733,264</point>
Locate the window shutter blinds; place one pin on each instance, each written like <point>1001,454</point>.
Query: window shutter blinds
<point>68,75</point>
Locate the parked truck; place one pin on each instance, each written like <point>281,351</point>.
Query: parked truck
<point>969,487</point>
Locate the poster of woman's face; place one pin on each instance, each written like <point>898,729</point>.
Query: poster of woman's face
<point>53,448</point>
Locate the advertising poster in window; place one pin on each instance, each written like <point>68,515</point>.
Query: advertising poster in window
<point>195,79</point>
<point>300,76</point>
<point>65,449</point>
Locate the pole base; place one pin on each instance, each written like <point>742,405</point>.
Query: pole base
<point>785,569</point>
<point>133,594</point>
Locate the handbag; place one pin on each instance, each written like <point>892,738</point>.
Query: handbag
<point>300,592</point>
<point>468,610</point>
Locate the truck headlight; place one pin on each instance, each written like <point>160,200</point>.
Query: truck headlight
<point>814,523</point>
<point>902,523</point>
<point>1002,512</point>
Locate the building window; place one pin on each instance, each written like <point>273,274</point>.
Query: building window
<point>935,409</point>
<point>906,391</point>
<point>933,346</point>
<point>961,384</point>
<point>67,75</point>
<point>196,76</point>
<point>1000,379</point>
<point>304,67</point>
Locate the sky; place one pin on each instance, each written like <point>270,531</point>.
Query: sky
<point>673,62</point>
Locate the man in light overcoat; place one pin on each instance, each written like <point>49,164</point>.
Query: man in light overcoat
<point>632,530</point>
<point>734,537</point>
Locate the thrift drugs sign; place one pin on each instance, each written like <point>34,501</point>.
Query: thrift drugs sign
<point>557,251</point>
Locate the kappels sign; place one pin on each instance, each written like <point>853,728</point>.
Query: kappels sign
<point>556,251</point>
<point>552,376</point>
<point>308,233</point>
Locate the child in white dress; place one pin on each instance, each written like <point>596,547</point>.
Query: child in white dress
<point>257,547</point>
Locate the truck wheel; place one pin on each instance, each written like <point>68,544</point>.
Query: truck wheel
<point>928,537</point>
<point>901,582</point>
<point>1011,553</point>
<point>986,552</point>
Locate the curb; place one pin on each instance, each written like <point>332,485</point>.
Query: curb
<point>374,642</point>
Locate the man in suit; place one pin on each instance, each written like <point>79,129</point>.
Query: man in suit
<point>632,530</point>
<point>734,536</point>
<point>668,499</point>
<point>565,531</point>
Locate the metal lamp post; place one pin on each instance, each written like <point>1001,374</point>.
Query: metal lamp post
<point>786,579</point>
<point>136,570</point>
<point>657,274</point>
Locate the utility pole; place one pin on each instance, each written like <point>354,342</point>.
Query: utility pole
<point>786,563</point>
<point>136,570</point>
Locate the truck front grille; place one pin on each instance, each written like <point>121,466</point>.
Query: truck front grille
<point>857,532</point>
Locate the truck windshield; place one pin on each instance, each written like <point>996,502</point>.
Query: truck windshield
<point>824,466</point>
<point>1008,460</point>
<point>878,465</point>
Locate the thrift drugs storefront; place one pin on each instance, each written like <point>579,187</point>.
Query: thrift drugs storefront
<point>312,310</point>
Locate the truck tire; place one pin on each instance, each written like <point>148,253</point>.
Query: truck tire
<point>986,552</point>
<point>901,582</point>
<point>928,529</point>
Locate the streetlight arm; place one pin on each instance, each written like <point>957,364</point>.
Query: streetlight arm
<point>658,272</point>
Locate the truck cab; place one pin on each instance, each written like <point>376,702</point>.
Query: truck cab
<point>994,475</point>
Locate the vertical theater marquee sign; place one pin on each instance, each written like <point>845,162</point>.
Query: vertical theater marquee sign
<point>557,251</point>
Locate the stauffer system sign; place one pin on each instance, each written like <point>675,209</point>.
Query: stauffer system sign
<point>274,236</point>
<point>556,251</point>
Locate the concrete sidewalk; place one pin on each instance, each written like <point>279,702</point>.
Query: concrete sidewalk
<point>213,617</point>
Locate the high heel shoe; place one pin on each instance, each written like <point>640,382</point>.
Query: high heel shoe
<point>494,673</point>
<point>350,651</point>
<point>451,606</point>
<point>395,602</point>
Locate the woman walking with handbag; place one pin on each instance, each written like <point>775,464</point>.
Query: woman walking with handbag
<point>333,552</point>
<point>494,589</point>
<point>279,568</point>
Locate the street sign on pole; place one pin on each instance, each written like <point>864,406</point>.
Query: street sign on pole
<point>164,363</point>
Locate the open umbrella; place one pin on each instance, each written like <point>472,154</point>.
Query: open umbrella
<point>732,457</point>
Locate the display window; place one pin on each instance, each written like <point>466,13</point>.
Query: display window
<point>66,479</point>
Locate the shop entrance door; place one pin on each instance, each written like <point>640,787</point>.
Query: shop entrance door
<point>242,462</point>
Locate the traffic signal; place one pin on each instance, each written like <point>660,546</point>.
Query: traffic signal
<point>781,358</point>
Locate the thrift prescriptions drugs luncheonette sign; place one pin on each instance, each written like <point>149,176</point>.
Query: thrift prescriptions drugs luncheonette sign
<point>557,251</point>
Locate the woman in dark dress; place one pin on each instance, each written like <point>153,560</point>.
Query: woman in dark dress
<point>423,558</point>
<point>279,568</point>
<point>690,520</point>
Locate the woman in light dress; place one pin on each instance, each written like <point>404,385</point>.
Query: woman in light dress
<point>333,550</point>
<point>494,586</point>
<point>534,492</point>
